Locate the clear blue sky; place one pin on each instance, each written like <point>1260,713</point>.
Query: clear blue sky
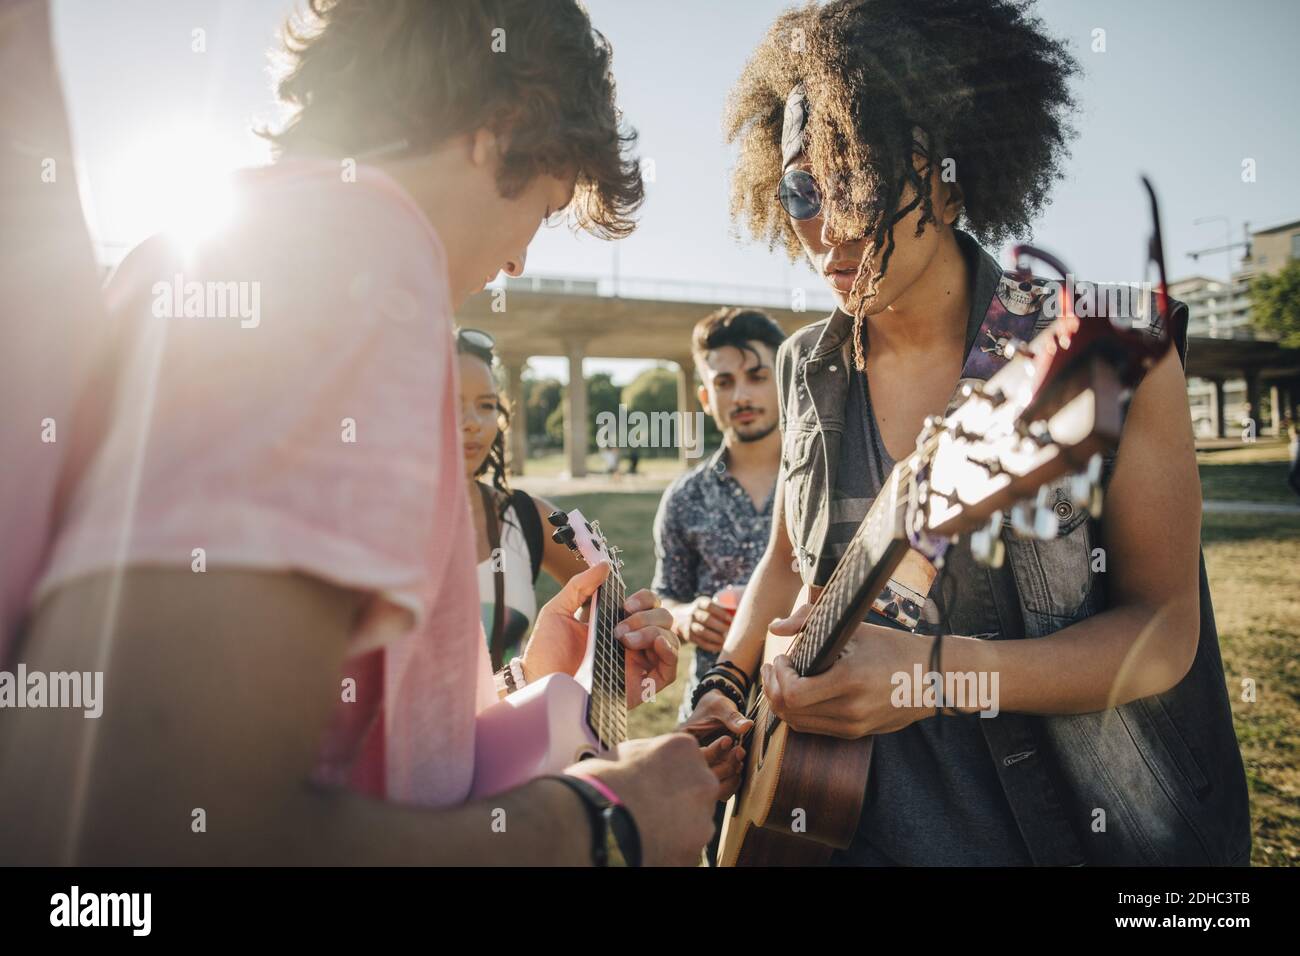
<point>1185,90</point>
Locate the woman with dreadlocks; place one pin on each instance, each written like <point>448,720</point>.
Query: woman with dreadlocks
<point>885,141</point>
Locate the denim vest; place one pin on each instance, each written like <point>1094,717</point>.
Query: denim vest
<point>1163,774</point>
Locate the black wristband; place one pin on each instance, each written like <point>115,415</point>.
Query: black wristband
<point>606,817</point>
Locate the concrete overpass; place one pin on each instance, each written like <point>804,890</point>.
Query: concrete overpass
<point>1260,364</point>
<point>578,318</point>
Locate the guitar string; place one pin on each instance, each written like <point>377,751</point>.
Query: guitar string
<point>610,718</point>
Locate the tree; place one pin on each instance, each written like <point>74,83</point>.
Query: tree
<point>541,398</point>
<point>602,396</point>
<point>655,390</point>
<point>1275,304</point>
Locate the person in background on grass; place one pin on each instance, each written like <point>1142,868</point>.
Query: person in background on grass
<point>510,530</point>
<point>1293,448</point>
<point>268,553</point>
<point>713,522</point>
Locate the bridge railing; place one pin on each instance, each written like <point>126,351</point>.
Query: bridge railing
<point>813,298</point>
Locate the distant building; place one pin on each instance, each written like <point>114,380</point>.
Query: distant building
<point>1220,309</point>
<point>1214,309</point>
<point>1270,250</point>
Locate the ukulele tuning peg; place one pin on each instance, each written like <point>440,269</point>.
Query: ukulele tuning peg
<point>558,519</point>
<point>565,535</point>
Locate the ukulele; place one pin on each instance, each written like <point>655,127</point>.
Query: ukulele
<point>558,720</point>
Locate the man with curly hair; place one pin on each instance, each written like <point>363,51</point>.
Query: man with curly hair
<point>265,548</point>
<point>885,140</point>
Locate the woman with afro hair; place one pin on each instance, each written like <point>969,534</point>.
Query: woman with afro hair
<point>889,142</point>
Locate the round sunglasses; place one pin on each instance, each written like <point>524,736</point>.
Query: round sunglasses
<point>799,194</point>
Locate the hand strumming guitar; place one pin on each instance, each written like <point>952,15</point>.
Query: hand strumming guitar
<point>853,698</point>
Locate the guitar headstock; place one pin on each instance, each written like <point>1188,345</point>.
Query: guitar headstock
<point>585,539</point>
<point>999,448</point>
<point>1052,410</point>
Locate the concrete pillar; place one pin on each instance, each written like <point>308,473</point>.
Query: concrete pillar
<point>685,405</point>
<point>517,437</point>
<point>1252,400</point>
<point>575,412</point>
<point>1274,411</point>
<point>1219,424</point>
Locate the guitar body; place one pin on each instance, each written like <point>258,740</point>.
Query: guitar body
<point>538,730</point>
<point>788,772</point>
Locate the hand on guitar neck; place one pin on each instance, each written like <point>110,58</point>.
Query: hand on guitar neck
<point>560,635</point>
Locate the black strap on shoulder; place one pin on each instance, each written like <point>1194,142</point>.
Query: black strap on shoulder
<point>492,517</point>
<point>531,525</point>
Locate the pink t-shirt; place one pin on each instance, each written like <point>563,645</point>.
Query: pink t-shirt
<point>286,400</point>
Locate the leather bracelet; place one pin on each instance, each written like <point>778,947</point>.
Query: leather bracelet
<point>722,682</point>
<point>746,681</point>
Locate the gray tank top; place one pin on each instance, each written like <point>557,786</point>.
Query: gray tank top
<point>933,795</point>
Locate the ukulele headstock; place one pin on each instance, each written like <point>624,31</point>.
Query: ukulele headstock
<point>585,539</point>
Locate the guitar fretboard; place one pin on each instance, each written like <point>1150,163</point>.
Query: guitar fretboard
<point>840,604</point>
<point>861,573</point>
<point>607,710</point>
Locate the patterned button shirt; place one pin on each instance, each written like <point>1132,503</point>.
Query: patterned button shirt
<point>708,536</point>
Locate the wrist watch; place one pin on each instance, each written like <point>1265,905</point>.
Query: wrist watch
<point>614,837</point>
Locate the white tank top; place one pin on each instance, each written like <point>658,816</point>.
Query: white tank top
<point>520,600</point>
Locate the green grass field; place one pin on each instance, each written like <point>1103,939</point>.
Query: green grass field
<point>1252,562</point>
<point>1250,473</point>
<point>553,465</point>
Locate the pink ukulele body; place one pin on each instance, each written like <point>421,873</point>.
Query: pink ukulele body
<point>559,720</point>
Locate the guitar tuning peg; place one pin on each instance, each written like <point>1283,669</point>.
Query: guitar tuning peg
<point>1014,347</point>
<point>1086,486</point>
<point>986,547</point>
<point>1094,502</point>
<point>565,535</point>
<point>558,519</point>
<point>1022,519</point>
<point>1093,469</point>
<point>1046,521</point>
<point>1080,490</point>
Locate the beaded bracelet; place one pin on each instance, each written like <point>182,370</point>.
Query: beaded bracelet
<point>745,680</point>
<point>720,681</point>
